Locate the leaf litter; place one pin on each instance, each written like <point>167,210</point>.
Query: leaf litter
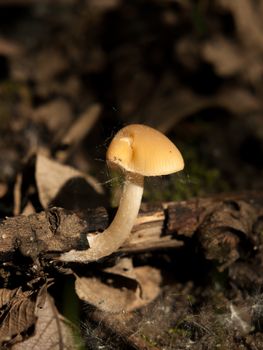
<point>65,91</point>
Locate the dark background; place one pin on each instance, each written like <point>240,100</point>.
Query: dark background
<point>192,69</point>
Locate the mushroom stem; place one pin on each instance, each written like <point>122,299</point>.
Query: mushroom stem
<point>116,234</point>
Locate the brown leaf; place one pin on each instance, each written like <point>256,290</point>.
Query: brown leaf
<point>52,177</point>
<point>17,312</point>
<point>6,295</point>
<point>52,331</point>
<point>109,297</point>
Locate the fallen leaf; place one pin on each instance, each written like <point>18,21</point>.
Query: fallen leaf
<point>114,297</point>
<point>18,312</point>
<point>6,295</point>
<point>52,179</point>
<point>52,331</point>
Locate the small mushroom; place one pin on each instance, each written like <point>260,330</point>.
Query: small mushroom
<point>138,151</point>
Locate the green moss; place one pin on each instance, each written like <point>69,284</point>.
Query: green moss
<point>179,331</point>
<point>148,340</point>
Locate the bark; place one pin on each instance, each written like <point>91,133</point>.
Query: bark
<point>219,222</point>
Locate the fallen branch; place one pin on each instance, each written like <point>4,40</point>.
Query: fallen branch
<point>223,219</point>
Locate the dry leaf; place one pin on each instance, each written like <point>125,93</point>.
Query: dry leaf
<point>109,297</point>
<point>52,179</point>
<point>52,331</point>
<point>18,312</point>
<point>6,295</point>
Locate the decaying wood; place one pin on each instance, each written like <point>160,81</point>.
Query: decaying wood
<point>219,222</point>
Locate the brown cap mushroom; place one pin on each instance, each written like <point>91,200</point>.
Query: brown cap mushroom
<point>138,150</point>
<point>143,150</point>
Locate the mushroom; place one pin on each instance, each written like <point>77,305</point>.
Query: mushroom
<point>138,151</point>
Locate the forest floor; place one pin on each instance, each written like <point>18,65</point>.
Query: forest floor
<point>71,75</point>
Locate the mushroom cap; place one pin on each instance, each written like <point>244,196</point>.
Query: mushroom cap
<point>143,150</point>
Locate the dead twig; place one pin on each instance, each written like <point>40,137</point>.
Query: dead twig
<point>222,219</point>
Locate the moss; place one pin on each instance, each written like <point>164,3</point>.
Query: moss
<point>179,332</point>
<point>148,340</point>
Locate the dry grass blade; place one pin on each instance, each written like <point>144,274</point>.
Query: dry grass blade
<point>82,126</point>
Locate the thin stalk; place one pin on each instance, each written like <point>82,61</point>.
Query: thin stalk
<point>117,233</point>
